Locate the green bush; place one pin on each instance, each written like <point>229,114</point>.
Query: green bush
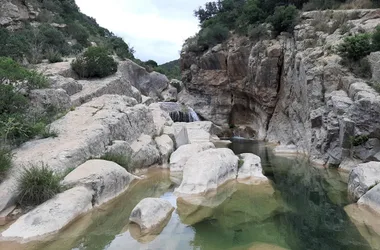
<point>36,185</point>
<point>284,18</point>
<point>359,140</point>
<point>258,32</point>
<point>5,161</point>
<point>53,56</point>
<point>376,39</point>
<point>355,47</point>
<point>79,33</point>
<point>95,62</point>
<point>121,48</point>
<point>121,159</point>
<point>213,35</point>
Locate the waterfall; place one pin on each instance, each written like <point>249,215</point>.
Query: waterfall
<point>179,112</point>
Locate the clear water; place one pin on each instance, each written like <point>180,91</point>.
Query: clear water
<point>302,209</point>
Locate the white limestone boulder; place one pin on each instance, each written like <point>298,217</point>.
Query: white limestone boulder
<point>207,170</point>
<point>160,118</point>
<point>250,170</point>
<point>178,133</point>
<point>51,216</point>
<point>105,178</point>
<point>362,178</point>
<point>151,213</point>
<point>143,152</point>
<point>179,158</point>
<point>166,147</point>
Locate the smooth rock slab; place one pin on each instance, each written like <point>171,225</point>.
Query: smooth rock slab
<point>371,199</point>
<point>362,178</point>
<point>52,215</point>
<point>106,179</point>
<point>207,170</point>
<point>166,147</point>
<point>251,171</point>
<point>198,131</point>
<point>179,158</point>
<point>150,213</point>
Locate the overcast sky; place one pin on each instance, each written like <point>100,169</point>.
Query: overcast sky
<point>155,28</point>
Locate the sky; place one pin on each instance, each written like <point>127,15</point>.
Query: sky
<point>156,29</point>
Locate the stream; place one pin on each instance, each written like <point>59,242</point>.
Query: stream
<point>301,209</point>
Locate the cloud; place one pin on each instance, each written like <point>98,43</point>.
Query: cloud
<point>155,28</point>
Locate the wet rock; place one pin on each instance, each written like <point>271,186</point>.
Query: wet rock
<point>106,179</point>
<point>150,213</point>
<point>251,170</point>
<point>179,158</point>
<point>51,216</point>
<point>362,178</point>
<point>207,170</point>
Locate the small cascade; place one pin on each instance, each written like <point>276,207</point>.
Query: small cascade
<point>179,112</point>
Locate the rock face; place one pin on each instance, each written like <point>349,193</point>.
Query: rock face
<point>144,152</point>
<point>251,169</point>
<point>44,99</point>
<point>290,90</point>
<point>166,147</point>
<point>362,178</point>
<point>371,199</point>
<point>198,132</point>
<point>12,13</point>
<point>52,215</point>
<point>179,158</point>
<point>106,179</point>
<point>83,133</point>
<point>207,170</point>
<point>150,213</point>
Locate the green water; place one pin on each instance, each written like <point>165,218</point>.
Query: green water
<point>301,209</point>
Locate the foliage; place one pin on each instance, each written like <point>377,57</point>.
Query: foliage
<point>53,56</point>
<point>170,69</point>
<point>284,18</point>
<point>36,185</point>
<point>375,86</point>
<point>79,33</point>
<point>5,161</point>
<point>121,159</point>
<point>376,39</point>
<point>121,48</point>
<point>94,62</point>
<point>355,47</point>
<point>151,63</point>
<point>240,163</point>
<point>257,32</point>
<point>359,140</point>
<point>213,35</point>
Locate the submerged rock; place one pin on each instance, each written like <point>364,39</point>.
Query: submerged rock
<point>207,170</point>
<point>179,158</point>
<point>362,178</point>
<point>106,179</point>
<point>51,216</point>
<point>150,213</point>
<point>251,170</point>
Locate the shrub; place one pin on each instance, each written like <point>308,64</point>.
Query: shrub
<point>51,38</point>
<point>359,140</point>
<point>36,185</point>
<point>121,48</point>
<point>95,62</point>
<point>240,163</point>
<point>53,56</point>
<point>355,47</point>
<point>284,18</point>
<point>258,32</point>
<point>376,39</point>
<point>121,159</point>
<point>5,161</point>
<point>79,33</point>
<point>213,35</point>
<point>375,86</point>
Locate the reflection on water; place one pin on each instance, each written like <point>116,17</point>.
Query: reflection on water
<point>302,208</point>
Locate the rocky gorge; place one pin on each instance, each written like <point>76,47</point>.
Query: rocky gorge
<point>256,148</point>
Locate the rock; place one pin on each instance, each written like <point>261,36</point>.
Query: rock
<point>44,99</point>
<point>150,213</point>
<point>118,148</point>
<point>54,69</point>
<point>51,216</point>
<point>251,169</point>
<point>166,147</point>
<point>161,118</point>
<point>11,13</point>
<point>82,134</point>
<point>144,153</point>
<point>106,179</point>
<point>286,150</point>
<point>349,164</point>
<point>109,85</point>
<point>176,84</point>
<point>170,94</point>
<point>178,134</point>
<point>207,170</point>
<point>362,178</point>
<point>147,100</point>
<point>70,85</point>
<point>149,84</point>
<point>198,131</point>
<point>371,198</point>
<point>374,61</point>
<point>179,158</point>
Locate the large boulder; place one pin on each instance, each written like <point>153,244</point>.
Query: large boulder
<point>82,134</point>
<point>106,179</point>
<point>43,99</point>
<point>151,213</point>
<point>70,85</point>
<point>143,152</point>
<point>161,118</point>
<point>61,68</point>
<point>51,216</point>
<point>250,169</point>
<point>371,199</point>
<point>166,147</point>
<point>362,178</point>
<point>179,158</point>
<point>170,94</point>
<point>199,131</point>
<point>207,170</point>
<point>178,133</point>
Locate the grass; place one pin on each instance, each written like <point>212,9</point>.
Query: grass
<point>359,140</point>
<point>36,185</point>
<point>121,159</point>
<point>5,162</point>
